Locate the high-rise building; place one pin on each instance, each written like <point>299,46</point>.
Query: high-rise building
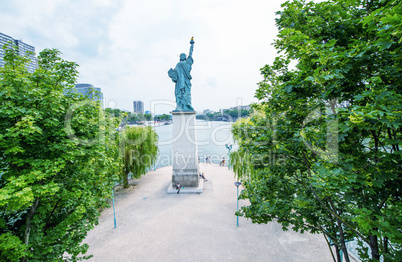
<point>90,91</point>
<point>138,107</point>
<point>22,48</point>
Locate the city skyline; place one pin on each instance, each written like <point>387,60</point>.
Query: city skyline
<point>127,47</point>
<point>22,49</point>
<point>198,112</point>
<point>94,93</point>
<point>138,107</point>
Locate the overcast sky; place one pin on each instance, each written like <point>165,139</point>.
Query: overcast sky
<point>126,47</point>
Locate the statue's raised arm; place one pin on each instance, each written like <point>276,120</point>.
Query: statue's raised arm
<point>191,47</point>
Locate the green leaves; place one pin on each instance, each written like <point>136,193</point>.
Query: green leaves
<point>12,247</point>
<point>334,122</point>
<point>51,185</point>
<point>138,151</point>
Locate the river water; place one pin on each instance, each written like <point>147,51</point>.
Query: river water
<point>212,136</point>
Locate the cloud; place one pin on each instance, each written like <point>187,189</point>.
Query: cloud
<point>126,47</point>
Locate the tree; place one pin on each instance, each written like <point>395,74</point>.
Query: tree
<point>148,117</point>
<point>323,154</point>
<point>236,113</point>
<point>127,117</point>
<point>139,150</point>
<point>56,160</point>
<point>115,112</point>
<point>228,114</point>
<point>163,117</point>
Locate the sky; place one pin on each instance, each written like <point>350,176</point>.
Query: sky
<point>126,47</point>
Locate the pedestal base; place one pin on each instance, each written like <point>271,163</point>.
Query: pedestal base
<point>187,190</point>
<point>184,157</point>
<point>185,180</point>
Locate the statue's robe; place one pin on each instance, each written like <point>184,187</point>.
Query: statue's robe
<point>181,76</point>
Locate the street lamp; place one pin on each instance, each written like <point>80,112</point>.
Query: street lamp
<point>114,212</point>
<point>155,132</point>
<point>228,147</point>
<point>237,184</point>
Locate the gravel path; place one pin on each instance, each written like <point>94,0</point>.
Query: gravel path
<point>155,226</point>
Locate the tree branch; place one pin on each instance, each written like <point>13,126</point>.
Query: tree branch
<point>28,224</point>
<point>51,214</point>
<point>330,249</point>
<point>330,211</point>
<point>341,234</point>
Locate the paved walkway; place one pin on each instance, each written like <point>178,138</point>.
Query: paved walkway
<point>155,226</point>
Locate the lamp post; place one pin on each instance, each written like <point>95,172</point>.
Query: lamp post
<point>237,184</point>
<point>154,118</point>
<point>114,212</point>
<point>228,147</point>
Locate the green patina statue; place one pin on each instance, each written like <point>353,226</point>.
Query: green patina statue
<point>181,76</point>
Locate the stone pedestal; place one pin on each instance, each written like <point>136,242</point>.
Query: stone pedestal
<point>184,155</point>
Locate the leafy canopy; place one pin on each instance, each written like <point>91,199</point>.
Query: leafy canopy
<point>323,153</point>
<point>57,163</point>
<point>138,151</point>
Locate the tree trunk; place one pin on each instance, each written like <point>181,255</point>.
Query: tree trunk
<point>28,224</point>
<point>374,248</point>
<point>126,169</point>
<point>342,239</point>
<point>329,246</point>
<point>341,234</point>
<point>125,178</point>
<point>385,248</point>
<point>338,255</point>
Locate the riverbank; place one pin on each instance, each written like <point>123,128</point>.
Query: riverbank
<point>150,123</point>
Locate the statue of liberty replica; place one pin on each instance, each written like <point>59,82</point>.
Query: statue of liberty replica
<point>184,145</point>
<point>181,77</point>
